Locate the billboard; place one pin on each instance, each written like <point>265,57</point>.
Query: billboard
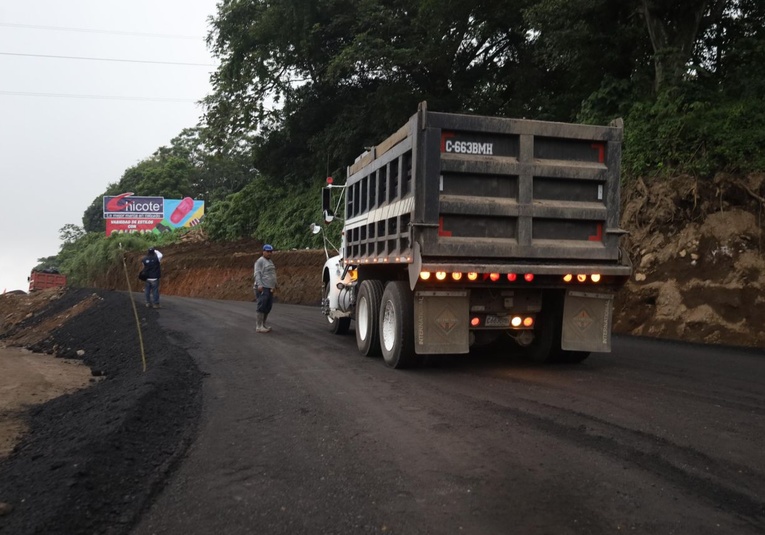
<point>128,213</point>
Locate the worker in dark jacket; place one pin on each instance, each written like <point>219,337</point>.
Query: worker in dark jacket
<point>152,272</point>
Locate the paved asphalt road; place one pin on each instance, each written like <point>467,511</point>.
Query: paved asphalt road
<point>300,434</point>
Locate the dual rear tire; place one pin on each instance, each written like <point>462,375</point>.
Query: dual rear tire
<point>384,323</point>
<point>545,349</point>
<point>397,326</point>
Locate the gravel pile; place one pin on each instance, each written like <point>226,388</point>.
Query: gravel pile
<point>95,458</point>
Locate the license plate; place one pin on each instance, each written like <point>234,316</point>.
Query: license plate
<point>497,321</point>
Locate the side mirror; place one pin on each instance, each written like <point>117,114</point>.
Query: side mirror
<point>326,205</point>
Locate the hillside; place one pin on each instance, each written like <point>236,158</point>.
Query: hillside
<point>696,247</point>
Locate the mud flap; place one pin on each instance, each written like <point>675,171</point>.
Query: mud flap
<point>587,318</point>
<point>441,322</point>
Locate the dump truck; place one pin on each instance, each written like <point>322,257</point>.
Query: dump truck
<point>463,231</point>
<point>49,278</point>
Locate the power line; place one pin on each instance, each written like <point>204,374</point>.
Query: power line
<point>111,32</point>
<point>107,59</point>
<point>94,97</point>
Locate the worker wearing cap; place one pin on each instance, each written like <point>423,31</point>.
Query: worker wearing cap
<point>265,283</point>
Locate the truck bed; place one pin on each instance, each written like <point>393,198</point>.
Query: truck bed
<point>467,189</point>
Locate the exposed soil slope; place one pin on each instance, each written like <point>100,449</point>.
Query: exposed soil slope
<point>697,247</point>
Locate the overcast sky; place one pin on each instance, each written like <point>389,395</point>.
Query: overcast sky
<point>70,127</point>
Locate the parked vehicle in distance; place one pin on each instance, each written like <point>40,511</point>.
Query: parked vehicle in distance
<point>48,278</point>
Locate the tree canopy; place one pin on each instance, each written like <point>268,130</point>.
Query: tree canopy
<point>304,85</point>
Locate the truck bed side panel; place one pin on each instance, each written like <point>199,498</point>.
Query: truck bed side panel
<point>490,189</point>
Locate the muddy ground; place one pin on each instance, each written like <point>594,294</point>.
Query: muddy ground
<point>93,457</point>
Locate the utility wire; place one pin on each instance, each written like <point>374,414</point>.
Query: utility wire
<point>96,97</point>
<point>107,59</point>
<point>111,32</point>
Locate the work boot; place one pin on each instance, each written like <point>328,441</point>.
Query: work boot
<point>265,319</point>
<point>259,327</point>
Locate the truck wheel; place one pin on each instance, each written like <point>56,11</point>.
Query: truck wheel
<point>546,345</point>
<point>397,326</point>
<point>368,317</point>
<point>336,325</point>
<point>540,351</point>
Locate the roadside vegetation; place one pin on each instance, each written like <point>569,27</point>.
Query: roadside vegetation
<point>304,85</point>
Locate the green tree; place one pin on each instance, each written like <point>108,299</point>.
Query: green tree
<point>70,233</point>
<point>597,54</point>
<point>674,27</point>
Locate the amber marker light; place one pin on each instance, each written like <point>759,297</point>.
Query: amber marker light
<point>528,321</point>
<point>494,277</point>
<point>595,277</point>
<point>472,276</point>
<point>441,275</point>
<point>568,277</point>
<point>511,277</point>
<point>581,278</point>
<point>475,322</point>
<point>424,275</point>
<point>457,275</point>
<point>528,277</point>
<point>516,321</point>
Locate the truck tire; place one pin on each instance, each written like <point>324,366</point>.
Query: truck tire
<point>546,345</point>
<point>541,349</point>
<point>547,340</point>
<point>397,326</point>
<point>336,325</point>
<point>368,318</point>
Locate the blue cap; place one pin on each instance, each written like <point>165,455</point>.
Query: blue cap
<point>267,247</point>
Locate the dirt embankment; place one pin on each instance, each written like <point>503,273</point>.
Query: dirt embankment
<point>697,248</point>
<point>199,268</point>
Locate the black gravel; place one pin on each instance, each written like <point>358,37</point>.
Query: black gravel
<point>94,459</point>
